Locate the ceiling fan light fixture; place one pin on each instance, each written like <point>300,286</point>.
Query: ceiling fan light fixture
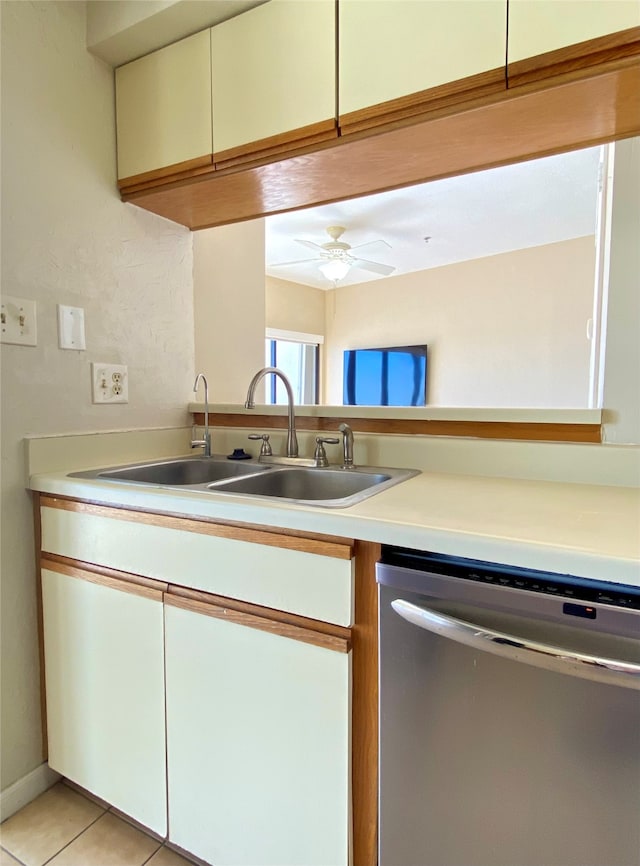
<point>335,269</point>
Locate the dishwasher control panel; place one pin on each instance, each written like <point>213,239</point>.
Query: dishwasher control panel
<point>564,586</point>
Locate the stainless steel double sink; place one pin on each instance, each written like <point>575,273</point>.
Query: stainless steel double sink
<point>310,485</point>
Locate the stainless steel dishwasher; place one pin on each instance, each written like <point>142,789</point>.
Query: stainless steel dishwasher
<point>509,716</point>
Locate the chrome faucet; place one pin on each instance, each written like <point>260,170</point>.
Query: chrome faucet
<point>347,446</point>
<point>292,439</point>
<point>206,441</point>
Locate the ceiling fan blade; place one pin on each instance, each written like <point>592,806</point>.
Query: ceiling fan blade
<point>371,243</point>
<point>309,244</point>
<point>295,262</point>
<point>374,267</point>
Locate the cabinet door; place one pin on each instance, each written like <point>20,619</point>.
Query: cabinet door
<point>258,744</point>
<point>392,48</point>
<point>163,109</point>
<point>537,26</point>
<point>104,666</point>
<point>273,74</point>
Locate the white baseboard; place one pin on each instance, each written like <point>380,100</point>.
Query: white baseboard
<point>26,789</point>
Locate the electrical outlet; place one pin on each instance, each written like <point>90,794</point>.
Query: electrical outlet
<point>18,321</point>
<point>109,383</point>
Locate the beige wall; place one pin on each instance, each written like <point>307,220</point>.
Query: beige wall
<point>67,238</point>
<point>622,354</point>
<point>506,330</point>
<point>293,307</point>
<point>229,302</point>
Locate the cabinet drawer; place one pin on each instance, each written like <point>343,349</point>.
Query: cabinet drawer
<point>264,568</point>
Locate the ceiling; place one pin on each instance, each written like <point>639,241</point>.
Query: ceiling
<point>471,216</point>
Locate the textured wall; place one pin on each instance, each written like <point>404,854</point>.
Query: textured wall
<point>228,287</point>
<point>502,331</point>
<point>67,238</point>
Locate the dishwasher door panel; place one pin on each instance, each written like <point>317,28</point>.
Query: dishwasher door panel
<point>485,761</point>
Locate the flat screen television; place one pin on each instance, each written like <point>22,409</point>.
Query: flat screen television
<point>390,376</point>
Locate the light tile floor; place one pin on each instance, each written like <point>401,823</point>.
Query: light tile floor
<point>64,828</point>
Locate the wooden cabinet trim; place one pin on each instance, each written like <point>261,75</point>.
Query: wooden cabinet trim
<point>364,760</point>
<point>250,620</point>
<point>540,432</point>
<point>414,106</point>
<point>133,584</point>
<point>305,622</point>
<point>606,52</point>
<point>178,171</point>
<point>518,124</point>
<point>276,145</point>
<point>320,545</point>
<point>37,531</point>
<point>56,562</point>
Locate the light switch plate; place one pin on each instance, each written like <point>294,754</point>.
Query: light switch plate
<point>18,321</point>
<point>71,327</point>
<point>109,383</point>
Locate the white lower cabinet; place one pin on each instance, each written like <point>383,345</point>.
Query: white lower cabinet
<point>258,741</point>
<point>104,668</point>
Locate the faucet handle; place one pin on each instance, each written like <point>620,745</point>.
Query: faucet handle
<point>320,455</point>
<point>265,448</point>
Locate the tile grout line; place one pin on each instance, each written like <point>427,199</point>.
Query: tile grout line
<point>153,854</point>
<point>77,836</point>
<point>17,859</point>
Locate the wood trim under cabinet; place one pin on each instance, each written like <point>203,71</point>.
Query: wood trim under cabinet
<point>364,760</point>
<point>273,625</point>
<point>441,99</point>
<point>177,171</point>
<point>50,560</point>
<point>133,584</point>
<point>521,124</point>
<point>285,143</point>
<point>529,431</point>
<point>329,546</point>
<point>608,53</point>
<point>341,631</point>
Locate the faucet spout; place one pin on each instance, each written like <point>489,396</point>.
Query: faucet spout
<point>206,441</point>
<point>292,439</point>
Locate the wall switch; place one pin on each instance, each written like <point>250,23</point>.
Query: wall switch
<point>71,327</point>
<point>18,321</point>
<point>109,383</point>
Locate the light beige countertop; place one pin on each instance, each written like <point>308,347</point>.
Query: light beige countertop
<point>587,530</point>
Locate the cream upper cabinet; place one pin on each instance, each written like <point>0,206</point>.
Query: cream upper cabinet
<point>273,71</point>
<point>537,26</point>
<point>163,107</point>
<point>392,48</point>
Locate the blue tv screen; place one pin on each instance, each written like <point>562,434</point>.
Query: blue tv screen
<point>391,376</point>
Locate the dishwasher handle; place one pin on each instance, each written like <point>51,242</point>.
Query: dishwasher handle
<point>542,655</point>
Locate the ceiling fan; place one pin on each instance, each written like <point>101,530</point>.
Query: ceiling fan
<point>336,257</point>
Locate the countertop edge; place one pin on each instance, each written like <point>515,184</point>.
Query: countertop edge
<point>390,518</point>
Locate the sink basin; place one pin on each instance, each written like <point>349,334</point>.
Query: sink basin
<point>178,473</point>
<point>329,487</point>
